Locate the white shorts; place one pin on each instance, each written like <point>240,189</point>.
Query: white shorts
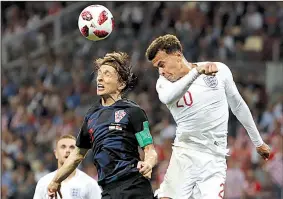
<point>193,174</point>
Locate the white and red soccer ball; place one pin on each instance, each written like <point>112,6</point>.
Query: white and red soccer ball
<point>96,22</point>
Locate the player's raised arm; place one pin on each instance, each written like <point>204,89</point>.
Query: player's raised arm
<point>71,163</point>
<point>169,92</point>
<point>166,54</point>
<point>241,110</point>
<point>77,155</point>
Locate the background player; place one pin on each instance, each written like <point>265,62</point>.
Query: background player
<point>87,188</point>
<point>114,128</point>
<point>199,106</point>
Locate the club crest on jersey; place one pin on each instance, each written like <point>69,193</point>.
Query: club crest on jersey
<point>211,81</point>
<point>119,115</point>
<point>76,192</point>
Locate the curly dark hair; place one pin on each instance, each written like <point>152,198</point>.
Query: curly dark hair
<point>120,61</point>
<point>168,43</point>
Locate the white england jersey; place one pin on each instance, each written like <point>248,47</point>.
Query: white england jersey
<point>80,186</point>
<point>201,114</point>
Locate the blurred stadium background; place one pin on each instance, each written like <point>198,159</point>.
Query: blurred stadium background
<point>47,86</point>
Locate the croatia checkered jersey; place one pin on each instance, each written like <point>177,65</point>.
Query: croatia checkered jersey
<point>80,186</point>
<point>114,133</point>
<point>199,105</point>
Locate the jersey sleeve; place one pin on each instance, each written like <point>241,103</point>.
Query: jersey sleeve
<point>84,138</point>
<point>230,86</point>
<point>169,92</point>
<point>137,118</point>
<point>39,193</point>
<point>94,191</point>
<point>140,126</point>
<point>239,107</point>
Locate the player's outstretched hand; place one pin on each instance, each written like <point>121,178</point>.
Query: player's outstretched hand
<point>263,151</point>
<point>53,189</point>
<point>145,169</point>
<point>207,69</point>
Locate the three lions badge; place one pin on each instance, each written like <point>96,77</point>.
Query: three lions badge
<point>76,193</point>
<point>211,81</point>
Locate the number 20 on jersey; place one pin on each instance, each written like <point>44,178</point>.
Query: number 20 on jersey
<point>186,100</point>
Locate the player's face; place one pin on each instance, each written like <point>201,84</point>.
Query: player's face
<point>64,148</point>
<point>169,65</point>
<point>108,81</point>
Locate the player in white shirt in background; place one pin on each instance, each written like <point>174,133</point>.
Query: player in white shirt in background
<point>198,96</point>
<point>78,185</point>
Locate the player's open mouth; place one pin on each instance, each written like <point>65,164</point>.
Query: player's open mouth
<point>100,87</point>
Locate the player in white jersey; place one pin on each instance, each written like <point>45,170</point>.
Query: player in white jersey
<point>198,96</point>
<point>78,185</point>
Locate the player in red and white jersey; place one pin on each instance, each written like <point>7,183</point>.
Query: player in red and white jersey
<point>198,96</point>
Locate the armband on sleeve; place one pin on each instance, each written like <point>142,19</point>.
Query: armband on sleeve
<point>144,137</point>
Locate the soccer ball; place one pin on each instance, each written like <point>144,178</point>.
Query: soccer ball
<point>96,22</point>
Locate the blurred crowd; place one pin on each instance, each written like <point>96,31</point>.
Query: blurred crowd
<point>44,102</point>
<point>20,16</point>
<point>23,15</point>
<point>208,30</point>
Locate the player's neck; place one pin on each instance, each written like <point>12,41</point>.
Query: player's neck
<point>110,99</point>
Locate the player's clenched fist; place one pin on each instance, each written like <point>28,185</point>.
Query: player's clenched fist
<point>53,188</point>
<point>263,151</point>
<point>145,169</point>
<point>207,69</point>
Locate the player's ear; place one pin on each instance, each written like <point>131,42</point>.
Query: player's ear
<point>179,56</point>
<point>55,153</point>
<point>122,85</point>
